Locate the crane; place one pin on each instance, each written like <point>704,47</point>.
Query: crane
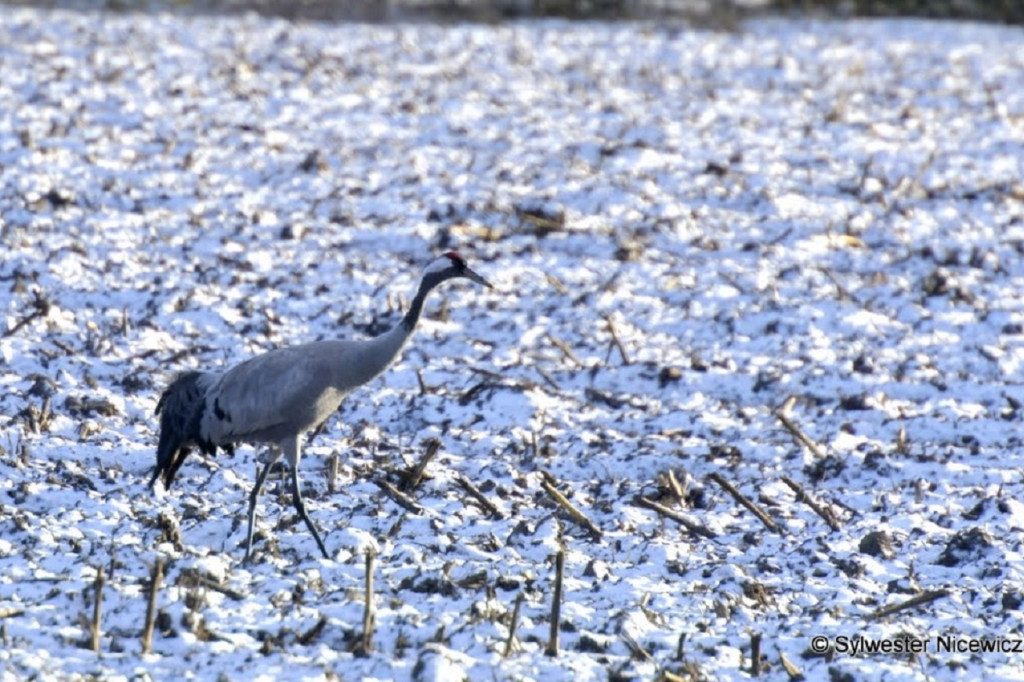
<point>277,397</point>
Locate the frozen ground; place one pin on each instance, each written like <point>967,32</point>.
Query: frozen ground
<point>691,233</point>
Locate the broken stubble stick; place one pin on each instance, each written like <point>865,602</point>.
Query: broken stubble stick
<point>510,642</point>
<point>311,634</point>
<point>368,616</point>
<point>477,495</point>
<point>795,431</point>
<point>556,604</point>
<point>617,341</point>
<point>193,576</point>
<point>844,294</point>
<point>677,488</point>
<point>755,654</point>
<point>739,497</point>
<point>802,496</point>
<point>413,477</point>
<point>636,649</point>
<point>333,464</point>
<point>919,600</point>
<point>154,586</point>
<point>574,513</point>
<point>566,350</point>
<point>791,670</point>
<point>97,608</point>
<point>399,497</point>
<point>40,308</point>
<point>691,526</point>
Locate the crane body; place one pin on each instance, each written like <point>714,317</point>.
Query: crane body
<point>279,396</point>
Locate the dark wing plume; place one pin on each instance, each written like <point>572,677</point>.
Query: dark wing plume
<point>180,409</point>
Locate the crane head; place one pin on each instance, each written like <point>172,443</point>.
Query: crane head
<point>452,265</point>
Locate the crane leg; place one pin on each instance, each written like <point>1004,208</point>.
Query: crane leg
<point>300,507</point>
<point>260,480</point>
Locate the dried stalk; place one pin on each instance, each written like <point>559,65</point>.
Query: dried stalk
<point>513,625</point>
<point>413,477</point>
<point>40,308</point>
<point>477,495</point>
<point>154,586</point>
<point>755,654</point>
<point>333,464</point>
<point>844,294</point>
<point>617,341</point>
<point>919,600</point>
<point>198,579</point>
<point>636,649</point>
<point>802,496</point>
<point>556,605</point>
<point>691,526</point>
<point>368,616</point>
<point>97,608</point>
<point>309,635</point>
<point>739,497</point>
<point>548,379</point>
<point>399,497</point>
<point>676,487</point>
<point>574,513</point>
<point>795,431</point>
<point>791,670</point>
<point>566,350</point>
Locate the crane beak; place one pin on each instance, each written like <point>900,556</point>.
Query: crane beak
<point>469,274</point>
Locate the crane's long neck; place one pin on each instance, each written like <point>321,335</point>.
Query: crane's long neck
<point>412,316</point>
<point>373,356</point>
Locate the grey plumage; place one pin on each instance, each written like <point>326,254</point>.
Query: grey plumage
<point>279,396</point>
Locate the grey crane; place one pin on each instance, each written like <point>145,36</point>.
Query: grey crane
<point>277,397</point>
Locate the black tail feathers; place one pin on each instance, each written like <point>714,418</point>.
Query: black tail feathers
<point>180,409</point>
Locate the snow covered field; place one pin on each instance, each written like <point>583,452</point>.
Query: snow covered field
<point>706,247</point>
